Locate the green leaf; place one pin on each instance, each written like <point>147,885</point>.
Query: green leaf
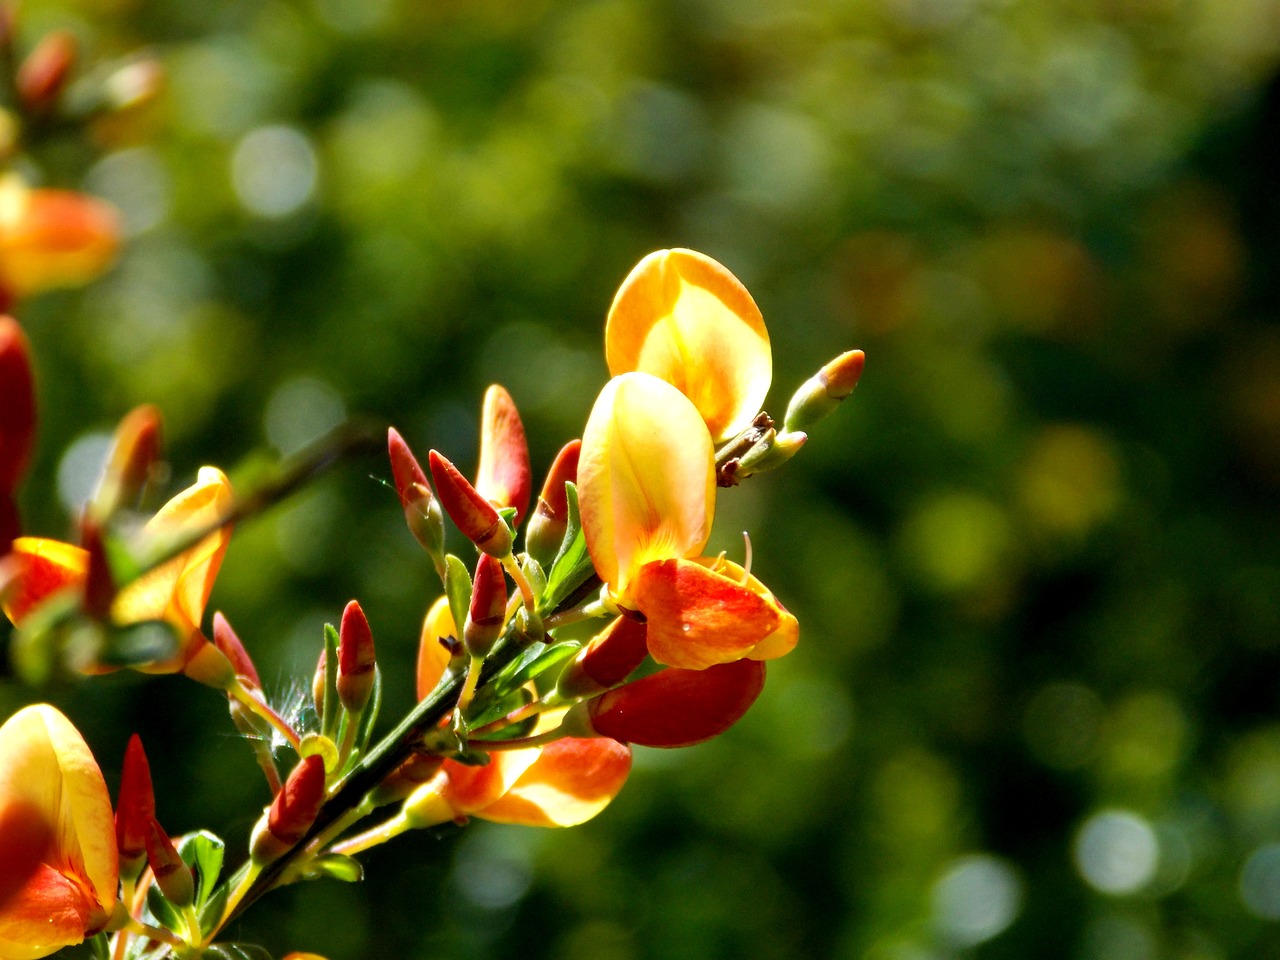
<point>164,912</point>
<point>99,948</point>
<point>237,951</point>
<point>572,564</point>
<point>369,716</point>
<point>213,909</point>
<point>329,719</point>
<point>532,662</point>
<point>337,866</point>
<point>457,584</point>
<point>495,706</point>
<point>203,852</point>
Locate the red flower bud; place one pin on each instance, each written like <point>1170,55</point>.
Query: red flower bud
<point>356,659</point>
<point>551,517</point>
<point>678,708</point>
<point>226,640</point>
<point>421,511</point>
<point>135,805</point>
<point>17,404</point>
<point>503,477</point>
<point>135,455</point>
<point>475,516</point>
<point>43,75</point>
<point>173,876</point>
<point>488,607</point>
<point>293,811</point>
<point>607,660</point>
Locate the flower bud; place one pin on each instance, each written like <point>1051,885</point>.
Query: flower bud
<point>226,640</point>
<point>475,516</point>
<point>17,405</point>
<point>135,808</point>
<point>134,85</point>
<point>422,511</point>
<point>488,608</point>
<point>172,875</point>
<point>821,394</point>
<point>550,520</point>
<point>53,238</point>
<point>676,707</point>
<point>606,661</point>
<point>503,476</point>
<point>771,451</point>
<point>292,812</point>
<point>356,659</point>
<point>134,461</point>
<point>43,75</point>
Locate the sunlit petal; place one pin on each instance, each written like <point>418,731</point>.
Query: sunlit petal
<point>570,782</point>
<point>48,567</point>
<point>646,477</point>
<point>53,238</point>
<point>787,633</point>
<point>683,317</point>
<point>433,656</point>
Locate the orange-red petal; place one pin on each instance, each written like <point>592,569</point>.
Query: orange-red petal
<point>504,476</point>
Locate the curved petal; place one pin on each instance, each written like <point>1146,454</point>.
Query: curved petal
<point>53,238</point>
<point>569,783</point>
<point>787,633</point>
<point>504,476</point>
<point>697,617</point>
<point>48,567</point>
<point>433,656</point>
<point>646,478</point>
<point>57,837</point>
<point>682,316</point>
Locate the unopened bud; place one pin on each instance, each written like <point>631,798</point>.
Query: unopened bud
<point>172,875</point>
<point>606,661</point>
<point>488,608</point>
<point>503,476</point>
<point>475,516</point>
<point>821,394</point>
<point>676,707</point>
<point>135,808</point>
<point>357,660</point>
<point>134,85</point>
<point>226,640</point>
<point>17,404</point>
<point>133,463</point>
<point>550,520</point>
<point>292,812</point>
<point>43,75</point>
<point>771,451</point>
<point>422,512</point>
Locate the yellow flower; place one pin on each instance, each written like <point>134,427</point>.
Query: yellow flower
<point>57,838</point>
<point>684,318</point>
<point>646,483</point>
<point>176,591</point>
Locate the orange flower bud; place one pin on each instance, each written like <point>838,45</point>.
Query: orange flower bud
<point>488,607</point>
<point>356,659</point>
<point>503,477</point>
<point>53,238</point>
<point>226,640</point>
<point>293,811</point>
<point>135,806</point>
<point>57,841</point>
<point>550,520</point>
<point>17,405</point>
<point>44,73</point>
<point>678,708</point>
<point>421,511</point>
<point>172,875</point>
<point>475,516</point>
<point>821,394</point>
<point>607,660</point>
<point>135,456</point>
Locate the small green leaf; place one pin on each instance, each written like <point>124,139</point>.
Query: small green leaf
<point>213,909</point>
<point>202,852</point>
<point>164,912</point>
<point>487,709</point>
<point>337,866</point>
<point>369,716</point>
<point>329,719</point>
<point>457,584</point>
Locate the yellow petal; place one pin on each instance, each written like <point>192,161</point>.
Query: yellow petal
<point>683,317</point>
<point>53,238</point>
<point>646,478</point>
<point>569,783</point>
<point>433,657</point>
<point>48,567</point>
<point>57,837</point>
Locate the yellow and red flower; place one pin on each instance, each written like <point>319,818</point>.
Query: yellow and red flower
<point>57,837</point>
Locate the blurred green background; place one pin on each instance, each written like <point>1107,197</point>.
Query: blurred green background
<point>1036,558</point>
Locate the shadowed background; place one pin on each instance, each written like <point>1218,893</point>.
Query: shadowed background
<point>1036,557</point>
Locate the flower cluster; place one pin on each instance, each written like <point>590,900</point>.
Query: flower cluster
<point>590,620</point>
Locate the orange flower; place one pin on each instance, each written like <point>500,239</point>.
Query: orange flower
<point>53,238</point>
<point>646,483</point>
<point>562,784</point>
<point>176,591</point>
<point>684,318</point>
<point>57,839</point>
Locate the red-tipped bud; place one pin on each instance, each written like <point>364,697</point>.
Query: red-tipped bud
<point>17,404</point>
<point>550,518</point>
<point>821,394</point>
<point>99,586</point>
<point>488,607</point>
<point>172,875</point>
<point>475,516</point>
<point>503,477</point>
<point>678,708</point>
<point>226,640</point>
<point>422,513</point>
<point>43,75</point>
<point>318,684</point>
<point>356,659</point>
<point>135,807</point>
<point>133,464</point>
<point>293,810</point>
<point>606,661</point>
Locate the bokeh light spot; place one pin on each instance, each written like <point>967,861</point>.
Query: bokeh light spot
<point>975,899</point>
<point>299,411</point>
<point>1116,852</point>
<point>274,171</point>
<point>1260,882</point>
<point>80,468</point>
